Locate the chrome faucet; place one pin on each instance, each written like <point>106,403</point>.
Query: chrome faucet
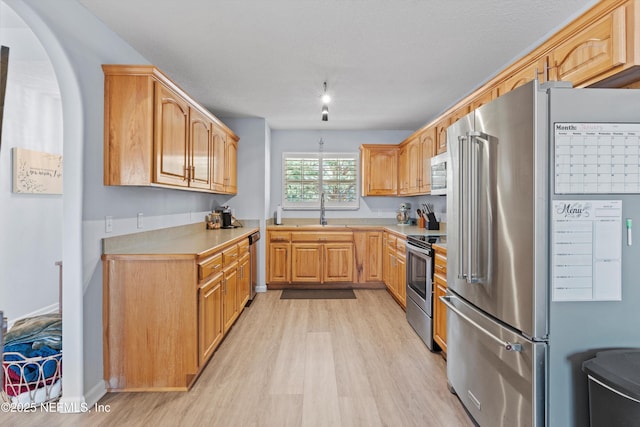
<point>323,220</point>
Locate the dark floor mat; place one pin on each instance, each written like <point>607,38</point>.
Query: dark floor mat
<point>317,294</point>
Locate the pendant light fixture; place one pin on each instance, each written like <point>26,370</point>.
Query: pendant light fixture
<point>325,104</point>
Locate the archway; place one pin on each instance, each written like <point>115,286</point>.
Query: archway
<point>72,131</point>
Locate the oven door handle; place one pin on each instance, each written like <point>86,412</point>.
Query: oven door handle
<point>419,250</point>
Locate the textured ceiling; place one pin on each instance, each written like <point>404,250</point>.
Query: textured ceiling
<point>389,64</point>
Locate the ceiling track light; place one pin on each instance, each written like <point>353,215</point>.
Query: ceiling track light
<point>325,96</point>
<point>325,101</point>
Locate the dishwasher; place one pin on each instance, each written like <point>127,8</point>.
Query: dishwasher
<point>253,253</point>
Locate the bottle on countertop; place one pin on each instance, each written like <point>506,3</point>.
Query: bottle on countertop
<point>278,219</point>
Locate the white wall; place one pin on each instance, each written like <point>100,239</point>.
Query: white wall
<point>253,178</point>
<point>30,224</point>
<point>80,44</point>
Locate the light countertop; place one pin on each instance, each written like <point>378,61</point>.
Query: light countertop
<point>191,239</point>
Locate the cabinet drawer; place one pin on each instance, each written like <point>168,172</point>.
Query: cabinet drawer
<point>229,256</point>
<point>311,236</point>
<point>440,265</point>
<point>210,266</point>
<point>401,246</point>
<point>279,236</point>
<point>391,241</point>
<point>243,247</point>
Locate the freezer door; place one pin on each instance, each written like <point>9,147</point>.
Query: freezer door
<point>496,211</point>
<point>497,374</point>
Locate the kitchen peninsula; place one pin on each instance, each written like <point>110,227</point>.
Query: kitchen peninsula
<point>169,297</point>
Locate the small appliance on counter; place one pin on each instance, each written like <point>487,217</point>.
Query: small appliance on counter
<point>213,221</point>
<point>403,215</point>
<point>227,218</point>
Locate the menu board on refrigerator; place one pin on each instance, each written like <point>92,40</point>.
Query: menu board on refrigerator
<point>597,158</point>
<point>586,250</point>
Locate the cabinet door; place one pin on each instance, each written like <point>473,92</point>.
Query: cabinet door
<point>525,74</point>
<point>439,312</point>
<point>401,279</point>
<point>403,171</point>
<point>279,263</point>
<point>200,156</point>
<point>427,150</point>
<point>231,166</point>
<point>389,268</point>
<point>244,280</point>
<point>373,266</point>
<point>410,163</point>
<point>171,141</point>
<point>379,171</point>
<point>210,318</point>
<point>306,262</point>
<point>598,49</point>
<point>230,307</point>
<point>218,168</point>
<point>441,135</point>
<point>338,262</point>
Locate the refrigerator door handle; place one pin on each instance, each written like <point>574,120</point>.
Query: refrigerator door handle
<point>473,214</point>
<point>509,346</point>
<point>462,274</point>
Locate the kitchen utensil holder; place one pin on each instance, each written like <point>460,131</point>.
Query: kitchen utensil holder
<point>432,223</point>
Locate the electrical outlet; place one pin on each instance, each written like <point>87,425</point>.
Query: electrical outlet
<point>140,221</point>
<point>108,224</point>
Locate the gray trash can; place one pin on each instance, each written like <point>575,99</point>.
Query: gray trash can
<point>614,388</point>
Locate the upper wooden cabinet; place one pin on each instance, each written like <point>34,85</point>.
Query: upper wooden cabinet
<point>200,152</point>
<point>415,163</point>
<point>155,134</point>
<point>484,98</point>
<point>524,74</point>
<point>441,135</point>
<point>407,167</point>
<point>171,138</point>
<point>231,162</point>
<point>379,169</point>
<point>600,48</point>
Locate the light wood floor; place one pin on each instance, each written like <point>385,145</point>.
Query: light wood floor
<point>299,363</point>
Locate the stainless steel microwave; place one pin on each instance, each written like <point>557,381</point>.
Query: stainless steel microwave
<point>439,173</point>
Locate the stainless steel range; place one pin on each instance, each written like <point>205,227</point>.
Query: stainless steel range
<point>420,286</point>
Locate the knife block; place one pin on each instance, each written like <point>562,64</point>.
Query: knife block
<point>432,223</point>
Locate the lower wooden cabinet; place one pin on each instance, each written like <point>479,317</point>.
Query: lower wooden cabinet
<point>337,265</point>
<point>440,289</point>
<point>210,328</point>
<point>309,257</point>
<point>229,303</point>
<point>368,256</point>
<point>164,315</point>
<point>279,264</point>
<point>306,262</point>
<point>395,268</point>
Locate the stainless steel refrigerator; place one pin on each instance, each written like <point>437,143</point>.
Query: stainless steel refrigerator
<point>516,337</point>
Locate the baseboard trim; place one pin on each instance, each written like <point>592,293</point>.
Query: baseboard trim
<point>53,308</point>
<point>68,405</point>
<point>95,394</point>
